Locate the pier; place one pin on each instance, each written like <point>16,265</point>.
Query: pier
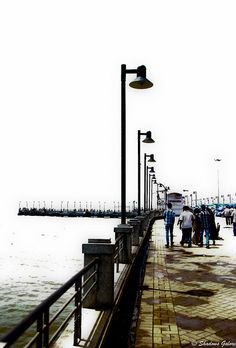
<point>136,293</point>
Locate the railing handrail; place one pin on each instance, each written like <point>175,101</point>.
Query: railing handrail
<point>18,330</point>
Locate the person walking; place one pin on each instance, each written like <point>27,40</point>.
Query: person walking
<point>212,226</point>
<point>205,225</point>
<point>196,226</point>
<point>227,215</point>
<point>234,220</point>
<point>186,219</point>
<point>169,220</point>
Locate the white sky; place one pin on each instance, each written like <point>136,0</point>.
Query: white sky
<point>60,96</point>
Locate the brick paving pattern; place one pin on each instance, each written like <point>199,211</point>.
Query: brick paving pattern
<point>188,294</point>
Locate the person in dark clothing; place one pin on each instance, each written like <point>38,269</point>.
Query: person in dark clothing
<point>212,226</point>
<point>196,226</point>
<point>169,219</point>
<point>205,223</point>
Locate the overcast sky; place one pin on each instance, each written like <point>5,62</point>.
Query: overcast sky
<point>60,68</point>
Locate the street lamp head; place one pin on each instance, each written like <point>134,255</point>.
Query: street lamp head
<point>141,82</point>
<point>148,138</point>
<point>151,159</point>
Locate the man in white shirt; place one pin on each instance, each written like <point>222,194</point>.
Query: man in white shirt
<point>186,224</point>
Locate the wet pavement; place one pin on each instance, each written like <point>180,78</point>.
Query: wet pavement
<point>189,294</point>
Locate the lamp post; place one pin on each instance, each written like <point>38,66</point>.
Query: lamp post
<point>186,201</point>
<point>230,199</point>
<point>195,193</point>
<point>166,188</point>
<point>157,195</point>
<point>145,191</point>
<point>153,179</point>
<point>223,199</point>
<point>185,197</point>
<point>152,171</point>
<point>147,140</point>
<point>191,200</point>
<point>218,180</point>
<point>141,82</point>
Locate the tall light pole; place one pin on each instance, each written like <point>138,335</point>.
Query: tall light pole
<point>191,200</point>
<point>218,180</point>
<point>152,171</point>
<point>141,82</point>
<point>166,188</point>
<point>145,182</point>
<point>147,140</point>
<point>195,193</point>
<point>185,197</point>
<point>223,199</point>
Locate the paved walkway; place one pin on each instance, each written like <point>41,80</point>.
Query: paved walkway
<point>189,294</point>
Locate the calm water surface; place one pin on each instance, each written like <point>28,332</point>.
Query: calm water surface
<point>37,255</point>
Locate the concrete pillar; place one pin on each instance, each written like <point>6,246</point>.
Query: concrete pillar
<point>125,230</point>
<point>102,296</point>
<point>142,219</point>
<point>135,223</point>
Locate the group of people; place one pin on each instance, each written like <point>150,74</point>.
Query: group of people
<point>230,217</point>
<point>194,225</point>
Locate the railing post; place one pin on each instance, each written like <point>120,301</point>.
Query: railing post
<point>39,343</point>
<point>46,329</point>
<point>142,219</point>
<point>135,223</point>
<point>126,231</point>
<point>102,296</point>
<point>77,315</point>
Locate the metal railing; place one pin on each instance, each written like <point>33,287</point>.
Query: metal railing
<point>119,247</point>
<point>42,322</point>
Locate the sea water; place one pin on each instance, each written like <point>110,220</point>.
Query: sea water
<point>38,255</point>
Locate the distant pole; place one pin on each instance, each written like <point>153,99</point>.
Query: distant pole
<point>223,199</point>
<point>148,139</point>
<point>218,180</point>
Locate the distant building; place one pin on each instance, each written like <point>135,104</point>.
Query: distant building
<point>177,202</point>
